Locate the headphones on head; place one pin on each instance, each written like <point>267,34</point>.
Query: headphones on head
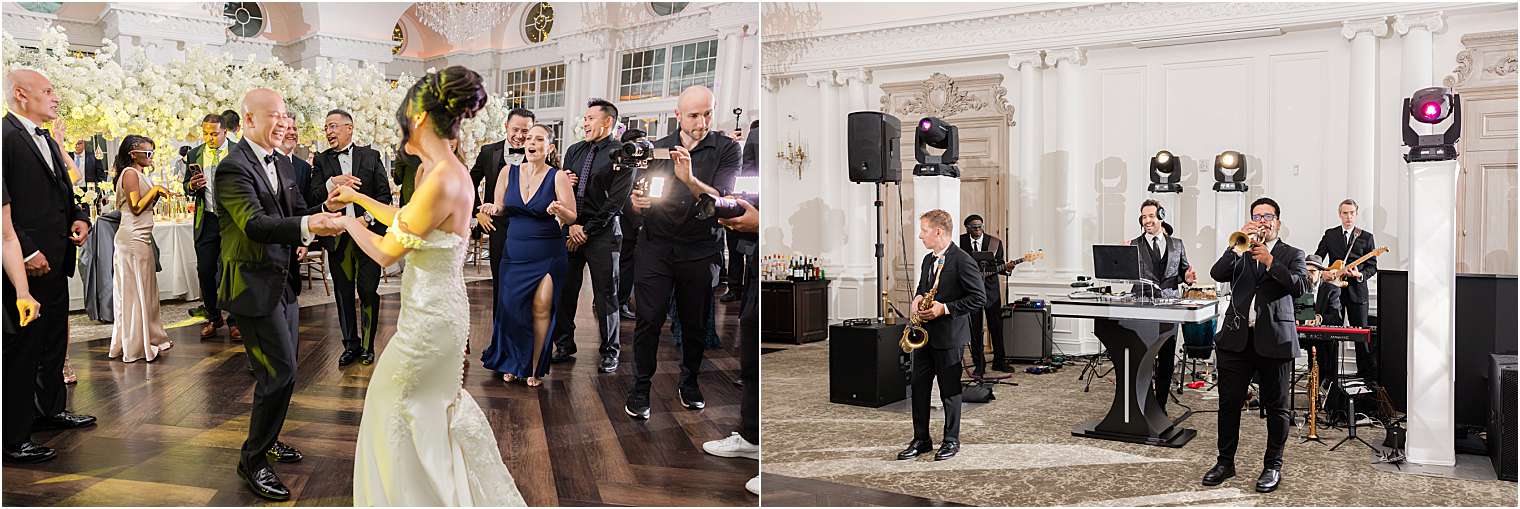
<point>1160,211</point>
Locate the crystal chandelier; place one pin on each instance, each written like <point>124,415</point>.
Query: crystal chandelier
<point>461,21</point>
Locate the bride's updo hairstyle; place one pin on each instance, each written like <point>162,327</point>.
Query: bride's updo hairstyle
<point>449,97</point>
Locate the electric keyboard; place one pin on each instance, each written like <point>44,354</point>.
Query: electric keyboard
<point>1329,333</point>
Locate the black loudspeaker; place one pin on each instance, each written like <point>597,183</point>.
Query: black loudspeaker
<point>874,141</point>
<point>1027,333</point>
<point>1483,327</point>
<point>1501,415</point>
<point>863,365</point>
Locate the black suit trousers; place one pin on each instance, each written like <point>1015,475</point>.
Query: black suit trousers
<point>208,258</point>
<point>270,341</point>
<point>930,365</point>
<point>749,366</point>
<point>994,316</point>
<point>33,358</point>
<point>351,269</point>
<point>600,253</point>
<point>1235,372</point>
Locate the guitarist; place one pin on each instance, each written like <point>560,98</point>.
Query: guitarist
<point>976,240</point>
<point>1163,260</point>
<point>1346,243</point>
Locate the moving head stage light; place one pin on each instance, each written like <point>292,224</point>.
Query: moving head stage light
<point>1230,172</point>
<point>933,132</point>
<point>1165,177</point>
<point>1433,106</point>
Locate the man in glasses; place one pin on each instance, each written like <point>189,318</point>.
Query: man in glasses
<point>1260,338</point>
<point>347,165</point>
<point>200,172</point>
<point>976,240</point>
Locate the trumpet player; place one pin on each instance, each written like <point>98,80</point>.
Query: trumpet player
<point>1259,337</point>
<point>957,293</point>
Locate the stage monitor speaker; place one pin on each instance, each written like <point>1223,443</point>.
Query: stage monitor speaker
<point>1501,415</point>
<point>874,141</point>
<point>1027,333</point>
<point>863,365</point>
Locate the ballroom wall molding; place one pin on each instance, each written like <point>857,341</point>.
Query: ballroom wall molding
<point>1488,60</point>
<point>943,96</point>
<point>1094,26</point>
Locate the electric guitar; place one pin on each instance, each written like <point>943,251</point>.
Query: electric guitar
<point>1028,257</point>
<point>1336,272</point>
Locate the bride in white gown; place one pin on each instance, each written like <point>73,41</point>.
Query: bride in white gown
<point>423,441</point>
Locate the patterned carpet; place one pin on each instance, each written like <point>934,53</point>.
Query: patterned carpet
<point>1018,451</point>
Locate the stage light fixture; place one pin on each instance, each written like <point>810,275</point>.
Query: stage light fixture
<point>1165,173</point>
<point>1434,105</point>
<point>936,133</point>
<point>1230,172</point>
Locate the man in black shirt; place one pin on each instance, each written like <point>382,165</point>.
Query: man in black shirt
<point>601,190</point>
<point>677,252</point>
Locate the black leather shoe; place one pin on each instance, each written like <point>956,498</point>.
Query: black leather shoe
<point>264,483</point>
<point>348,357</point>
<point>1218,474</point>
<point>947,450</point>
<point>561,356</point>
<point>29,452</point>
<point>731,296</point>
<point>367,358</point>
<point>915,448</point>
<point>1268,480</point>
<point>284,453</point>
<point>64,420</point>
<point>693,399</point>
<point>627,313</point>
<point>1002,367</point>
<point>609,365</point>
<point>637,410</point>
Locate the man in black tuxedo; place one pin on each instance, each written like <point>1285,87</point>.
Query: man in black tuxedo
<point>1346,243</point>
<point>303,170</point>
<point>404,172</point>
<point>975,240</point>
<point>88,162</point>
<point>49,224</point>
<point>961,295</point>
<point>1163,260</point>
<point>264,219</point>
<point>346,164</point>
<point>200,174</point>
<point>488,164</point>
<point>601,192</point>
<point>1259,338</point>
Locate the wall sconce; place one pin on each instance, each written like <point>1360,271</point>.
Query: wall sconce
<point>794,155</point>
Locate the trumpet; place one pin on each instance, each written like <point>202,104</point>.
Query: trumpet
<point>1242,241</point>
<point>914,335</point>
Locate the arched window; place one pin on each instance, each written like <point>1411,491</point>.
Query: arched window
<point>399,37</point>
<point>538,22</point>
<point>667,8</point>
<point>245,19</point>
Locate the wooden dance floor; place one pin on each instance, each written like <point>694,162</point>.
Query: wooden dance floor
<point>170,431</point>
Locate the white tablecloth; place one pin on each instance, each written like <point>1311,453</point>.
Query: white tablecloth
<point>176,248</point>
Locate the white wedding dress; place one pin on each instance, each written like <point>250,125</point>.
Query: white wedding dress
<point>423,441</point>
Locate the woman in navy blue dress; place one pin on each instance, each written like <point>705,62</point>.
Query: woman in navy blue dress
<point>536,198</point>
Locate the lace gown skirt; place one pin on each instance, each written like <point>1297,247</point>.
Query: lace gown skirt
<point>423,441</point>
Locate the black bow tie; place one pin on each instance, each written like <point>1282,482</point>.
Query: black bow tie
<point>517,150</point>
<point>347,151</point>
<point>269,159</point>
<point>41,132</point>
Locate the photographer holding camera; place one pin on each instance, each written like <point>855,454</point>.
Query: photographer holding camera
<point>680,246</point>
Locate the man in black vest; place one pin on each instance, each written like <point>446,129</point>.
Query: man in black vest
<point>975,240</point>
<point>199,175</point>
<point>346,164</point>
<point>488,165</point>
<point>1346,243</point>
<point>49,224</point>
<point>1163,261</point>
<point>601,191</point>
<point>961,294</point>
<point>1259,338</point>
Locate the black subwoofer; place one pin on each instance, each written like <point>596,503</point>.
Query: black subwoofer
<point>1501,415</point>
<point>1027,333</point>
<point>863,365</point>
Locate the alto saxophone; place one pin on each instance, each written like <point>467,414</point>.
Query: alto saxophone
<point>914,335</point>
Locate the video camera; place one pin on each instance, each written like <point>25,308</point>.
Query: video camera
<point>637,150</point>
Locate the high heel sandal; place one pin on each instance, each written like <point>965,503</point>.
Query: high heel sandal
<point>508,377</point>
<point>533,381</point>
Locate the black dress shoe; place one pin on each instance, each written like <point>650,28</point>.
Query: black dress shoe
<point>348,357</point>
<point>561,356</point>
<point>1218,474</point>
<point>367,358</point>
<point>915,448</point>
<point>284,453</point>
<point>627,313</point>
<point>63,420</point>
<point>693,399</point>
<point>1002,367</point>
<point>1268,480</point>
<point>637,410</point>
<point>29,452</point>
<point>731,296</point>
<point>609,365</point>
<point>947,450</point>
<point>264,483</point>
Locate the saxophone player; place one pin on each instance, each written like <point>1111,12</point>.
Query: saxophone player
<point>958,294</point>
